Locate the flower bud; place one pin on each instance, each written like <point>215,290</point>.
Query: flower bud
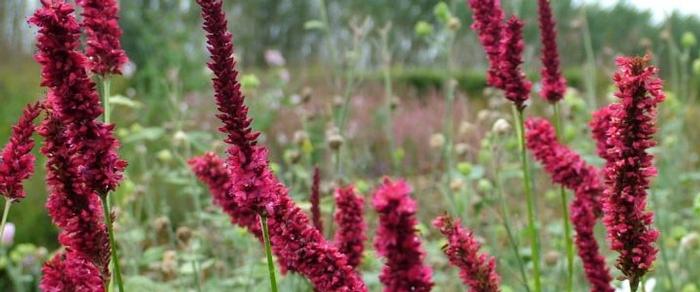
<point>688,40</point>
<point>423,29</point>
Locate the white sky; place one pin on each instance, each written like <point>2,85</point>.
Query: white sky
<point>660,8</point>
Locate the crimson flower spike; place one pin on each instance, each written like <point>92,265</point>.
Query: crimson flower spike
<point>82,160</point>
<point>568,168</point>
<point>553,83</point>
<point>517,87</point>
<point>488,24</point>
<point>349,217</point>
<point>477,270</point>
<point>255,188</point>
<point>315,200</point>
<point>397,239</point>
<point>101,23</point>
<point>16,159</point>
<point>629,168</point>
<point>600,123</point>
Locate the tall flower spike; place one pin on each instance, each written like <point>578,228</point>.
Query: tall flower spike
<point>101,23</point>
<point>349,217</point>
<point>17,161</point>
<point>397,239</point>
<point>488,24</point>
<point>600,124</point>
<point>315,200</point>
<point>515,83</point>
<point>553,83</point>
<point>298,245</point>
<point>569,169</point>
<point>477,270</point>
<point>82,160</point>
<point>69,271</point>
<point>629,168</point>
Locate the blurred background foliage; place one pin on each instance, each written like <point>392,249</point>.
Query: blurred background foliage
<point>331,51</point>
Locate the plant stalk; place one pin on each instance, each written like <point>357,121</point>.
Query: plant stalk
<point>558,125</point>
<point>531,219</point>
<point>110,230</point>
<point>268,253</point>
<point>5,212</point>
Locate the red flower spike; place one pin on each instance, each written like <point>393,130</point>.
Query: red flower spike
<point>349,217</point>
<point>553,83</point>
<point>515,84</point>
<point>315,200</point>
<point>570,170</point>
<point>629,168</point>
<point>16,160</point>
<point>477,270</point>
<point>488,24</point>
<point>397,239</point>
<point>69,271</point>
<point>298,245</point>
<point>600,124</point>
<point>101,24</point>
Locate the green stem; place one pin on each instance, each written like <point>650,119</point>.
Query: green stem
<point>8,204</point>
<point>565,209</point>
<point>268,253</point>
<point>531,220</point>
<point>106,84</point>
<point>590,62</point>
<point>112,242</point>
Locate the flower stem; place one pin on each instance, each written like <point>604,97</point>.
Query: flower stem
<point>112,242</point>
<point>565,210</point>
<point>106,84</point>
<point>8,204</point>
<point>531,220</point>
<point>268,253</point>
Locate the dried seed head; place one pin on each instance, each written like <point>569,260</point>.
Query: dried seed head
<point>551,258</point>
<point>457,184</point>
<point>461,149</point>
<point>454,24</point>
<point>300,137</point>
<point>501,126</point>
<point>306,94</point>
<point>394,102</point>
<point>466,128</point>
<point>437,141</point>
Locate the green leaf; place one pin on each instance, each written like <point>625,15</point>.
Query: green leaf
<point>124,101</point>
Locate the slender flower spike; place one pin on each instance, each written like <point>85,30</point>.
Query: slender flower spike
<point>212,171</point>
<point>299,246</point>
<point>477,270</point>
<point>82,160</point>
<point>70,271</point>
<point>101,23</point>
<point>569,169</point>
<point>488,24</point>
<point>515,83</point>
<point>315,200</point>
<point>553,83</point>
<point>629,167</point>
<point>600,124</point>
<point>397,239</point>
<point>349,217</point>
<point>16,160</point>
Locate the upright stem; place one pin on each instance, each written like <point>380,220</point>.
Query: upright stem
<point>112,242</point>
<point>590,62</point>
<point>565,210</point>
<point>8,204</point>
<point>106,84</point>
<point>268,253</point>
<point>531,220</point>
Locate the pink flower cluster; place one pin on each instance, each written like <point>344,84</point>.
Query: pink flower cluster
<point>16,160</point>
<point>82,160</point>
<point>569,169</point>
<point>629,167</point>
<point>101,23</point>
<point>488,23</point>
<point>397,239</point>
<point>315,200</point>
<point>515,83</point>
<point>600,123</point>
<point>299,245</point>
<point>349,217</point>
<point>70,272</point>
<point>477,270</point>
<point>553,83</point>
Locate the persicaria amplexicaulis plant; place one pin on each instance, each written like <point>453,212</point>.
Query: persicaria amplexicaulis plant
<point>397,239</point>
<point>297,243</point>
<point>514,82</point>
<point>477,270</point>
<point>569,169</point>
<point>16,159</point>
<point>101,24</point>
<point>553,83</point>
<point>488,23</point>
<point>349,217</point>
<point>629,167</point>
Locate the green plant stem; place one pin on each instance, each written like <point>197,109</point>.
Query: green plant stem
<point>558,125</point>
<point>5,212</point>
<point>112,242</point>
<point>106,84</point>
<point>531,219</point>
<point>590,62</point>
<point>268,253</point>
